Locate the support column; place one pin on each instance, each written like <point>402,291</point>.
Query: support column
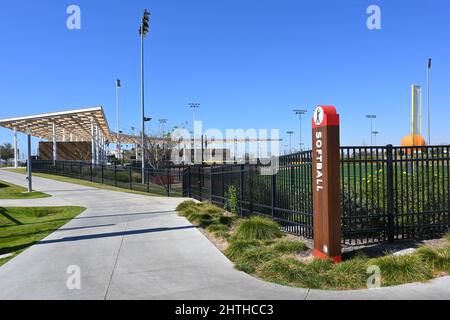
<point>54,143</point>
<point>71,137</point>
<point>97,144</point>
<point>326,188</point>
<point>64,135</point>
<point>93,149</point>
<point>16,152</point>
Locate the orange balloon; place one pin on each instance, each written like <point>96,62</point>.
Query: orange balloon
<point>417,141</point>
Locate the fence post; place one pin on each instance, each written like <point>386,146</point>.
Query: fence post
<point>130,174</point>
<point>390,193</point>
<point>223,185</point>
<point>63,169</point>
<point>211,183</point>
<point>81,172</point>
<point>189,182</point>
<point>274,188</point>
<point>92,169</point>
<point>241,188</point>
<point>147,175</point>
<point>103,179</point>
<point>115,174</point>
<point>168,181</point>
<point>200,173</point>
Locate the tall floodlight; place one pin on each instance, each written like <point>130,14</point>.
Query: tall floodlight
<point>300,113</point>
<point>371,117</point>
<point>195,107</point>
<point>375,133</point>
<point>118,146</point>
<point>143,30</point>
<point>290,133</point>
<point>428,102</point>
<point>162,123</point>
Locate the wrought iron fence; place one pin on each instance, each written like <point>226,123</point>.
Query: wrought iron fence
<point>165,182</point>
<point>387,193</point>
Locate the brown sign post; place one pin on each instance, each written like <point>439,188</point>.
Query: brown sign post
<point>326,188</point>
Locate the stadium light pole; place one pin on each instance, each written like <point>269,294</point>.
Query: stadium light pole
<point>375,133</point>
<point>118,146</point>
<point>428,100</point>
<point>194,107</point>
<point>371,117</point>
<point>300,113</point>
<point>143,30</point>
<point>290,133</point>
<point>162,122</point>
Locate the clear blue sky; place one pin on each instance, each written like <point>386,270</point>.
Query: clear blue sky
<point>248,63</point>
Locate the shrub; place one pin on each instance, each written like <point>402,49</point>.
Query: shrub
<point>447,237</point>
<point>211,209</point>
<point>285,271</point>
<point>237,247</point>
<point>186,212</point>
<point>350,274</point>
<point>253,257</point>
<point>438,259</point>
<point>217,227</point>
<point>186,204</point>
<point>232,199</point>
<point>397,270</point>
<point>226,220</point>
<point>289,246</point>
<point>258,228</point>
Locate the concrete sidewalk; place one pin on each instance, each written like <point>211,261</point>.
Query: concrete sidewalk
<point>132,246</point>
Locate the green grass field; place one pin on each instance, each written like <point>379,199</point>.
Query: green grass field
<point>155,190</point>
<point>11,191</point>
<point>20,228</point>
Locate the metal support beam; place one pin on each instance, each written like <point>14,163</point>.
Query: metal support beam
<point>29,174</point>
<point>54,143</point>
<point>16,151</point>
<point>93,151</point>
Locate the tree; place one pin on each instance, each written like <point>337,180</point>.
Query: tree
<point>6,152</point>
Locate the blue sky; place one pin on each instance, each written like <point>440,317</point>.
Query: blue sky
<point>248,63</point>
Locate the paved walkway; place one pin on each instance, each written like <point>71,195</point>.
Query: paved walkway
<point>136,247</point>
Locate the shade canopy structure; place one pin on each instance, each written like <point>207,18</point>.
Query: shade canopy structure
<point>76,123</point>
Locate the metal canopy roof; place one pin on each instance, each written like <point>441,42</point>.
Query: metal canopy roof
<point>78,123</point>
<point>75,122</point>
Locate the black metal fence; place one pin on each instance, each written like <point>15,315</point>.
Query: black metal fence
<point>164,182</point>
<point>387,193</point>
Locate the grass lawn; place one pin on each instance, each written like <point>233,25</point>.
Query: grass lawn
<point>11,191</point>
<point>20,228</point>
<point>256,246</point>
<point>154,191</point>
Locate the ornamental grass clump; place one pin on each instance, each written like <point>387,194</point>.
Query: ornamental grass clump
<point>258,228</point>
<point>396,270</point>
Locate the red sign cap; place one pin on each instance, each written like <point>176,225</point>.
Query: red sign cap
<point>325,116</point>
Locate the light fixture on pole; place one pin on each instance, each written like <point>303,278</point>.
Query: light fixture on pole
<point>371,117</point>
<point>300,112</point>
<point>375,133</point>
<point>162,122</point>
<point>428,101</point>
<point>194,107</point>
<point>290,133</point>
<point>118,146</point>
<point>143,30</point>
